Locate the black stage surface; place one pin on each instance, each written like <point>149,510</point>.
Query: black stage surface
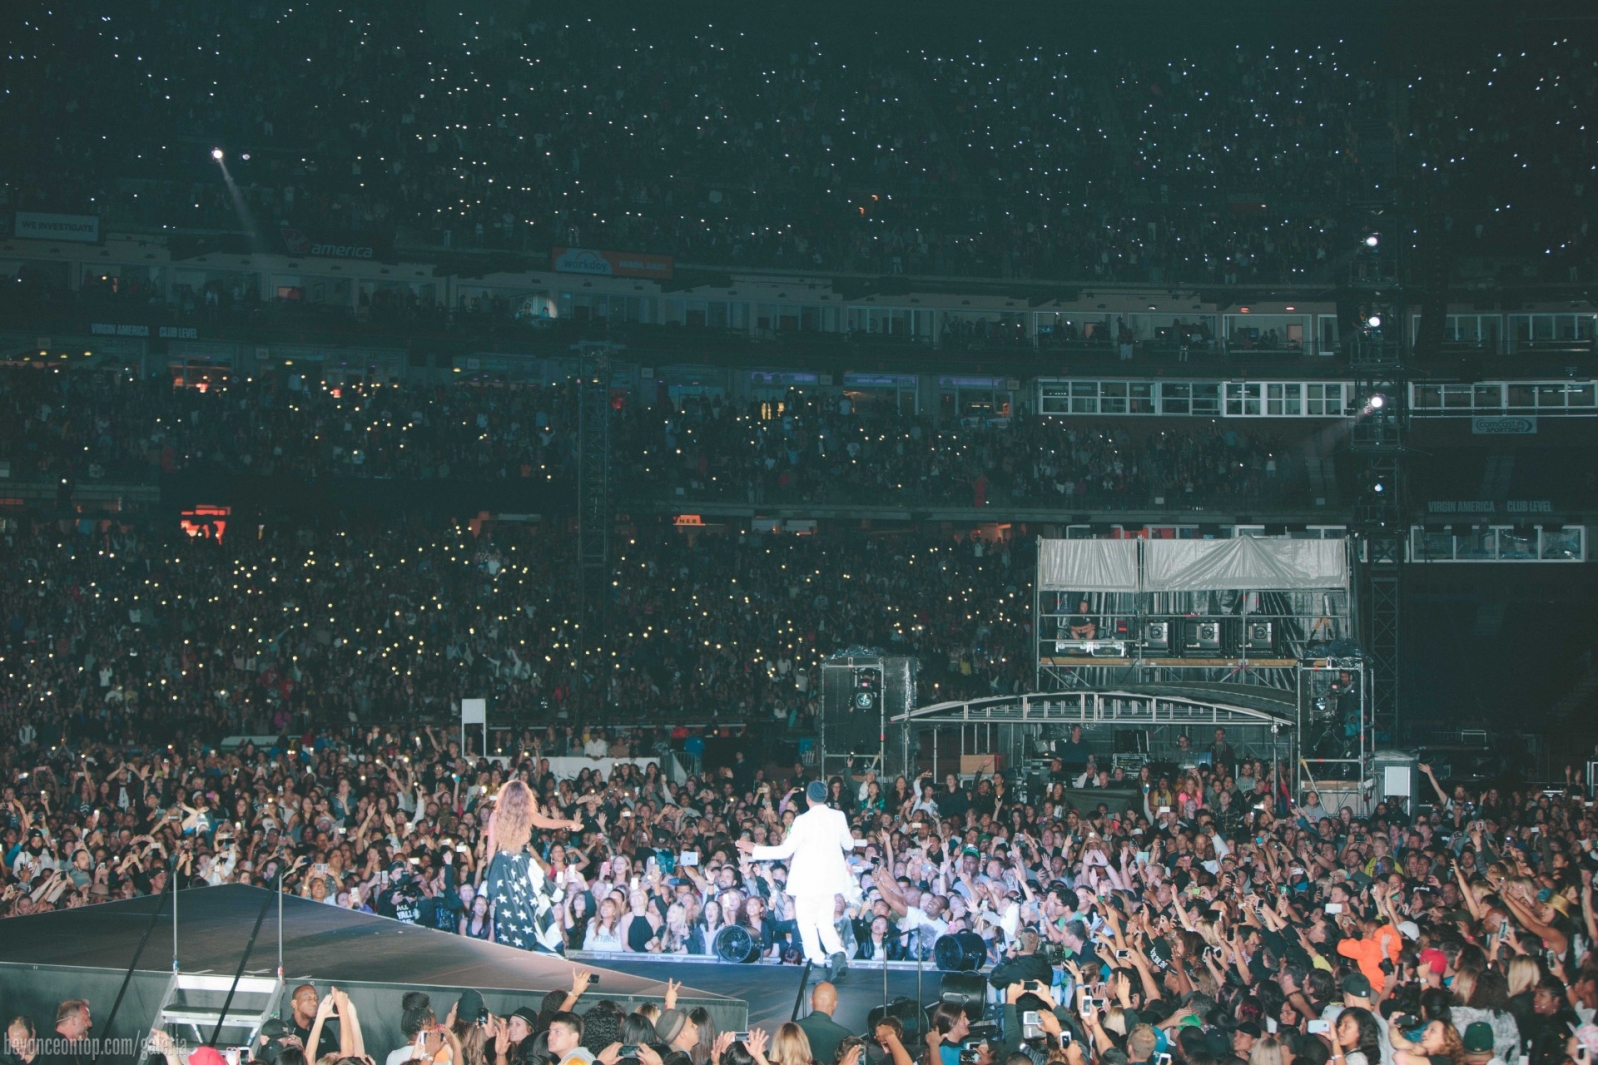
<point>84,953</point>
<point>770,990</point>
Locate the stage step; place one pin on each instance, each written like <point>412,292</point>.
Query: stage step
<point>193,1004</point>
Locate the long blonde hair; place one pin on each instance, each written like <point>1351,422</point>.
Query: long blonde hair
<point>790,1046</point>
<point>513,817</point>
<point>1267,1051</point>
<point>1524,972</point>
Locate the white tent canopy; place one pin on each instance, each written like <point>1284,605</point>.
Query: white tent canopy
<point>1087,565</point>
<point>1246,563</point>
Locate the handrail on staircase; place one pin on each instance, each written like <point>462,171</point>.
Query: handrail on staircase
<point>216,1033</point>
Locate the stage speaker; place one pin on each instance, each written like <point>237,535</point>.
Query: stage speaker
<point>1257,635</point>
<point>960,952</point>
<point>1156,635</point>
<point>860,690</point>
<point>910,1014</point>
<point>969,991</point>
<point>734,943</point>
<point>851,707</point>
<point>867,691</point>
<point>1201,635</point>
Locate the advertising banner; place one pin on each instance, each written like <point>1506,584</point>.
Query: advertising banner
<point>1517,425</point>
<point>318,244</point>
<point>80,228</point>
<point>610,263</point>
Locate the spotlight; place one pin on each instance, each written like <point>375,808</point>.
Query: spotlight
<point>1378,401</point>
<point>1372,240</point>
<point>1378,488</point>
<point>1374,321</point>
<point>245,157</point>
<point>216,153</point>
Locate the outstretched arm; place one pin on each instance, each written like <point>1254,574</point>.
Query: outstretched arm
<point>773,853</point>
<point>541,821</point>
<point>1442,796</point>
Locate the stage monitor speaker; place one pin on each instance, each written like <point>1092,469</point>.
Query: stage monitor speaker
<point>734,943</point>
<point>960,952</point>
<point>969,991</point>
<point>1258,635</point>
<point>1156,635</point>
<point>1201,635</point>
<point>909,1013</point>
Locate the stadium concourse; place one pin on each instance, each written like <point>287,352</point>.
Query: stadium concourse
<point>272,514</point>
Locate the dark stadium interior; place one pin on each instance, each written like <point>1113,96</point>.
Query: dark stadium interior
<point>1118,474</point>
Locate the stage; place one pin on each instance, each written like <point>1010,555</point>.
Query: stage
<point>85,953</point>
<point>770,990</point>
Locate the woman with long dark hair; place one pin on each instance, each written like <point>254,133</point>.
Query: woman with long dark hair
<point>1356,1039</point>
<point>524,898</point>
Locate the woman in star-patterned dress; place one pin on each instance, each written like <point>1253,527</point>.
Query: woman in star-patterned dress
<point>525,901</point>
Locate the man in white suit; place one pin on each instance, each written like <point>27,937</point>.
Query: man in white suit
<point>817,875</point>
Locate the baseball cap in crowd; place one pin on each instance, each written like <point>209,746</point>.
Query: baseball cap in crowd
<point>671,1022</point>
<point>1357,985</point>
<point>1478,1038</point>
<point>528,1014</point>
<point>1410,929</point>
<point>1435,958</point>
<point>816,792</point>
<point>275,1028</point>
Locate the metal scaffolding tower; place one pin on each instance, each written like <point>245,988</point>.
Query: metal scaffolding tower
<point>1378,351</point>
<point>595,506</point>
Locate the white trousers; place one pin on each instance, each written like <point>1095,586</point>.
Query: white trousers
<point>814,914</point>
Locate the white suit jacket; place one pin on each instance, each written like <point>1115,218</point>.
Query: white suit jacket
<point>814,850</point>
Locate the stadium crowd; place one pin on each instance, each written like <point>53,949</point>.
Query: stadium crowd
<point>1202,906</point>
<point>122,632</point>
<point>1193,910</point>
<point>1106,162</point>
<point>1201,913</point>
<point>90,427</point>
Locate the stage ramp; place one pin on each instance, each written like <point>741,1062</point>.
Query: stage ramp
<point>85,953</point>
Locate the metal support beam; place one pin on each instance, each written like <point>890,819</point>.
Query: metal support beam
<point>1378,353</point>
<point>595,514</point>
